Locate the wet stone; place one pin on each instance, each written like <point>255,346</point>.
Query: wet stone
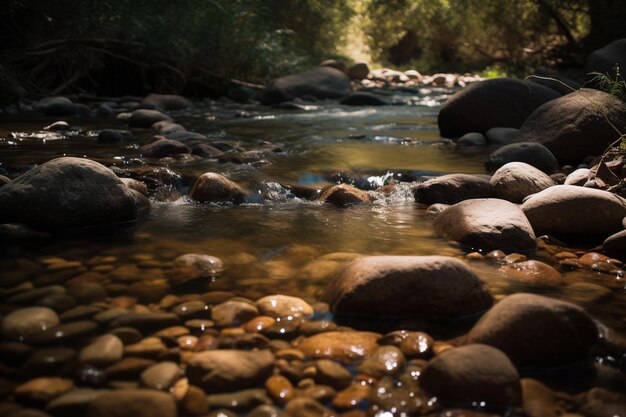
<point>308,407</point>
<point>73,403</point>
<point>534,273</point>
<point>66,332</point>
<point>42,390</point>
<point>332,374</point>
<point>145,322</point>
<point>233,313</point>
<point>354,396</point>
<point>207,265</point>
<point>266,411</point>
<point>128,368</point>
<point>161,376</point>
<point>279,389</point>
<point>259,324</point>
<point>585,292</point>
<point>240,400</point>
<point>342,346</point>
<point>79,313</point>
<point>151,347</point>
<point>105,350</point>
<point>133,403</point>
<point>47,361</point>
<point>412,344</point>
<point>386,360</point>
<point>278,306</point>
<point>128,335</point>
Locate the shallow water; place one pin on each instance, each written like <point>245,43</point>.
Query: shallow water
<point>278,243</point>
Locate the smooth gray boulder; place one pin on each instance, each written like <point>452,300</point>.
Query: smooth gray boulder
<point>487,224</point>
<point>517,180</point>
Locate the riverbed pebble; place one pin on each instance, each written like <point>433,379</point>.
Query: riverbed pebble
<point>452,189</point>
<point>28,322</point>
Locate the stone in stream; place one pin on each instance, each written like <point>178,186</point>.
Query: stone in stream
<point>536,331</point>
<point>105,350</point>
<point>67,193</point>
<point>162,147</point>
<point>57,106</point>
<point>503,102</point>
<point>431,286</point>
<point>279,306</point>
<point>344,347</point>
<point>412,344</point>
<point>534,273</point>
<point>487,224</point>
<point>537,399</point>
<point>322,83</point>
<point>216,188</point>
<point>577,125</point>
<point>473,374</point>
<point>28,322</point>
<point>206,151</point>
<point>206,265</point>
<point>343,194</point>
<point>133,403</point>
<point>113,136</point>
<point>228,369</point>
<point>568,210</point>
<point>161,376</point>
<point>74,403</point>
<point>42,390</point>
<point>517,180</point>
<point>233,313</point>
<point>146,118</point>
<point>358,71</point>
<point>384,361</point>
<point>452,189</point>
<point>46,362</point>
<point>615,245</point>
<point>308,407</point>
<point>240,400</point>
<point>472,139</point>
<point>532,153</point>
<point>165,102</point>
<point>332,374</point>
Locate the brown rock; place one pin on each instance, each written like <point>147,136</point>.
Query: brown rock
<point>342,346</point>
<point>133,403</point>
<point>343,194</point>
<point>215,188</point>
<point>533,273</point>
<point>42,390</point>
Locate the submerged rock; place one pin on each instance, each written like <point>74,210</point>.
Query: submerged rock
<point>28,322</point>
<point>322,82</point>
<point>533,273</point>
<point>502,102</point>
<point>162,147</point>
<point>577,125</point>
<point>67,193</point>
<point>133,403</point>
<point>473,374</point>
<point>487,224</point>
<point>343,194</point>
<point>146,118</point>
<point>536,331</point>
<point>215,188</point>
<point>344,347</point>
<point>452,189</point>
<point>434,286</point>
<point>568,210</point>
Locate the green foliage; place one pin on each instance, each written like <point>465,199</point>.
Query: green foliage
<point>612,83</point>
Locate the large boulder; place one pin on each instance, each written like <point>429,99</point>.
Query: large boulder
<point>487,224</point>
<point>229,370</point>
<point>500,102</point>
<point>517,180</point>
<point>532,153</point>
<point>536,331</point>
<point>322,82</point>
<point>473,374</point>
<point>452,189</point>
<point>216,188</point>
<point>604,59</point>
<point>67,193</point>
<point>433,286</point>
<point>569,210</point>
<point>577,125</point>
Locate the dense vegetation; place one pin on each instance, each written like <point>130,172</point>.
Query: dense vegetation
<point>116,47</point>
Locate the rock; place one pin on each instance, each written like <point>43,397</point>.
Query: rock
<point>343,194</point>
<point>345,346</point>
<point>332,374</point>
<point>113,136</point>
<point>128,368</point>
<point>67,193</point>
<point>517,180</point>
<point>133,403</point>
<point>578,177</point>
<point>66,332</point>
<point>42,390</point>
<point>538,400</point>
<point>532,153</point>
<point>206,265</point>
<point>363,98</point>
<point>279,388</point>
<point>266,411</point>
<point>229,370</point>
<point>322,83</point>
<point>473,374</point>
<point>472,139</point>
<point>215,188</point>
<point>233,313</point>
<point>308,407</point>
<point>615,245</point>
<point>452,189</point>
<point>536,331</point>
<point>433,286</point>
<point>163,147</point>
<point>240,400</point>
<point>586,292</point>
<point>25,323</point>
<point>335,63</point>
<point>47,362</point>
<point>161,376</point>
<point>146,118</point>
<point>106,350</point>
<point>135,185</point>
<point>167,128</point>
<point>487,224</point>
<point>600,402</point>
<point>356,396</point>
<point>74,403</point>
<point>414,345</point>
<point>57,106</point>
<point>358,71</point>
<point>575,126</point>
<point>603,60</point>
<point>165,102</point>
<point>195,402</point>
<point>568,210</point>
<point>280,306</point>
<point>534,273</point>
<point>206,151</point>
<point>145,322</point>
<point>501,102</point>
<point>384,361</point>
<point>501,135</point>
<point>185,136</point>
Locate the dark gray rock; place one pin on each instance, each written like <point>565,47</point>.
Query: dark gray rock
<point>472,139</point>
<point>165,102</point>
<point>362,98</point>
<point>453,188</point>
<point>113,135</point>
<point>215,188</point>
<point>146,118</point>
<point>435,286</point>
<point>57,106</point>
<point>517,180</point>
<point>503,102</point>
<point>162,147</point>
<point>487,224</point>
<point>133,403</point>
<point>501,135</point>
<point>67,193</point>
<point>321,82</point>
<point>532,153</point>
<point>577,125</point>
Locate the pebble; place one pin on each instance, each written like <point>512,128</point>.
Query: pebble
<point>233,313</point>
<point>28,322</point>
<point>151,347</point>
<point>128,368</point>
<point>279,306</point>
<point>354,396</point>
<point>82,312</point>
<point>47,361</point>
<point>342,346</point>
<point>66,332</point>
<point>206,265</point>
<point>386,360</point>
<point>195,402</point>
<point>413,344</point>
<point>308,407</point>
<point>332,374</point>
<point>105,350</point>
<point>279,388</point>
<point>74,403</point>
<point>533,273</point>
<point>133,403</point>
<point>537,399</point>
<point>127,335</point>
<point>192,309</point>
<point>145,322</point>
<point>161,376</point>
<point>259,324</point>
<point>585,292</point>
<point>266,411</point>
<point>240,400</point>
<point>42,390</point>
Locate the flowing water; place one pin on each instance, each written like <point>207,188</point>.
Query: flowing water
<point>277,242</point>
